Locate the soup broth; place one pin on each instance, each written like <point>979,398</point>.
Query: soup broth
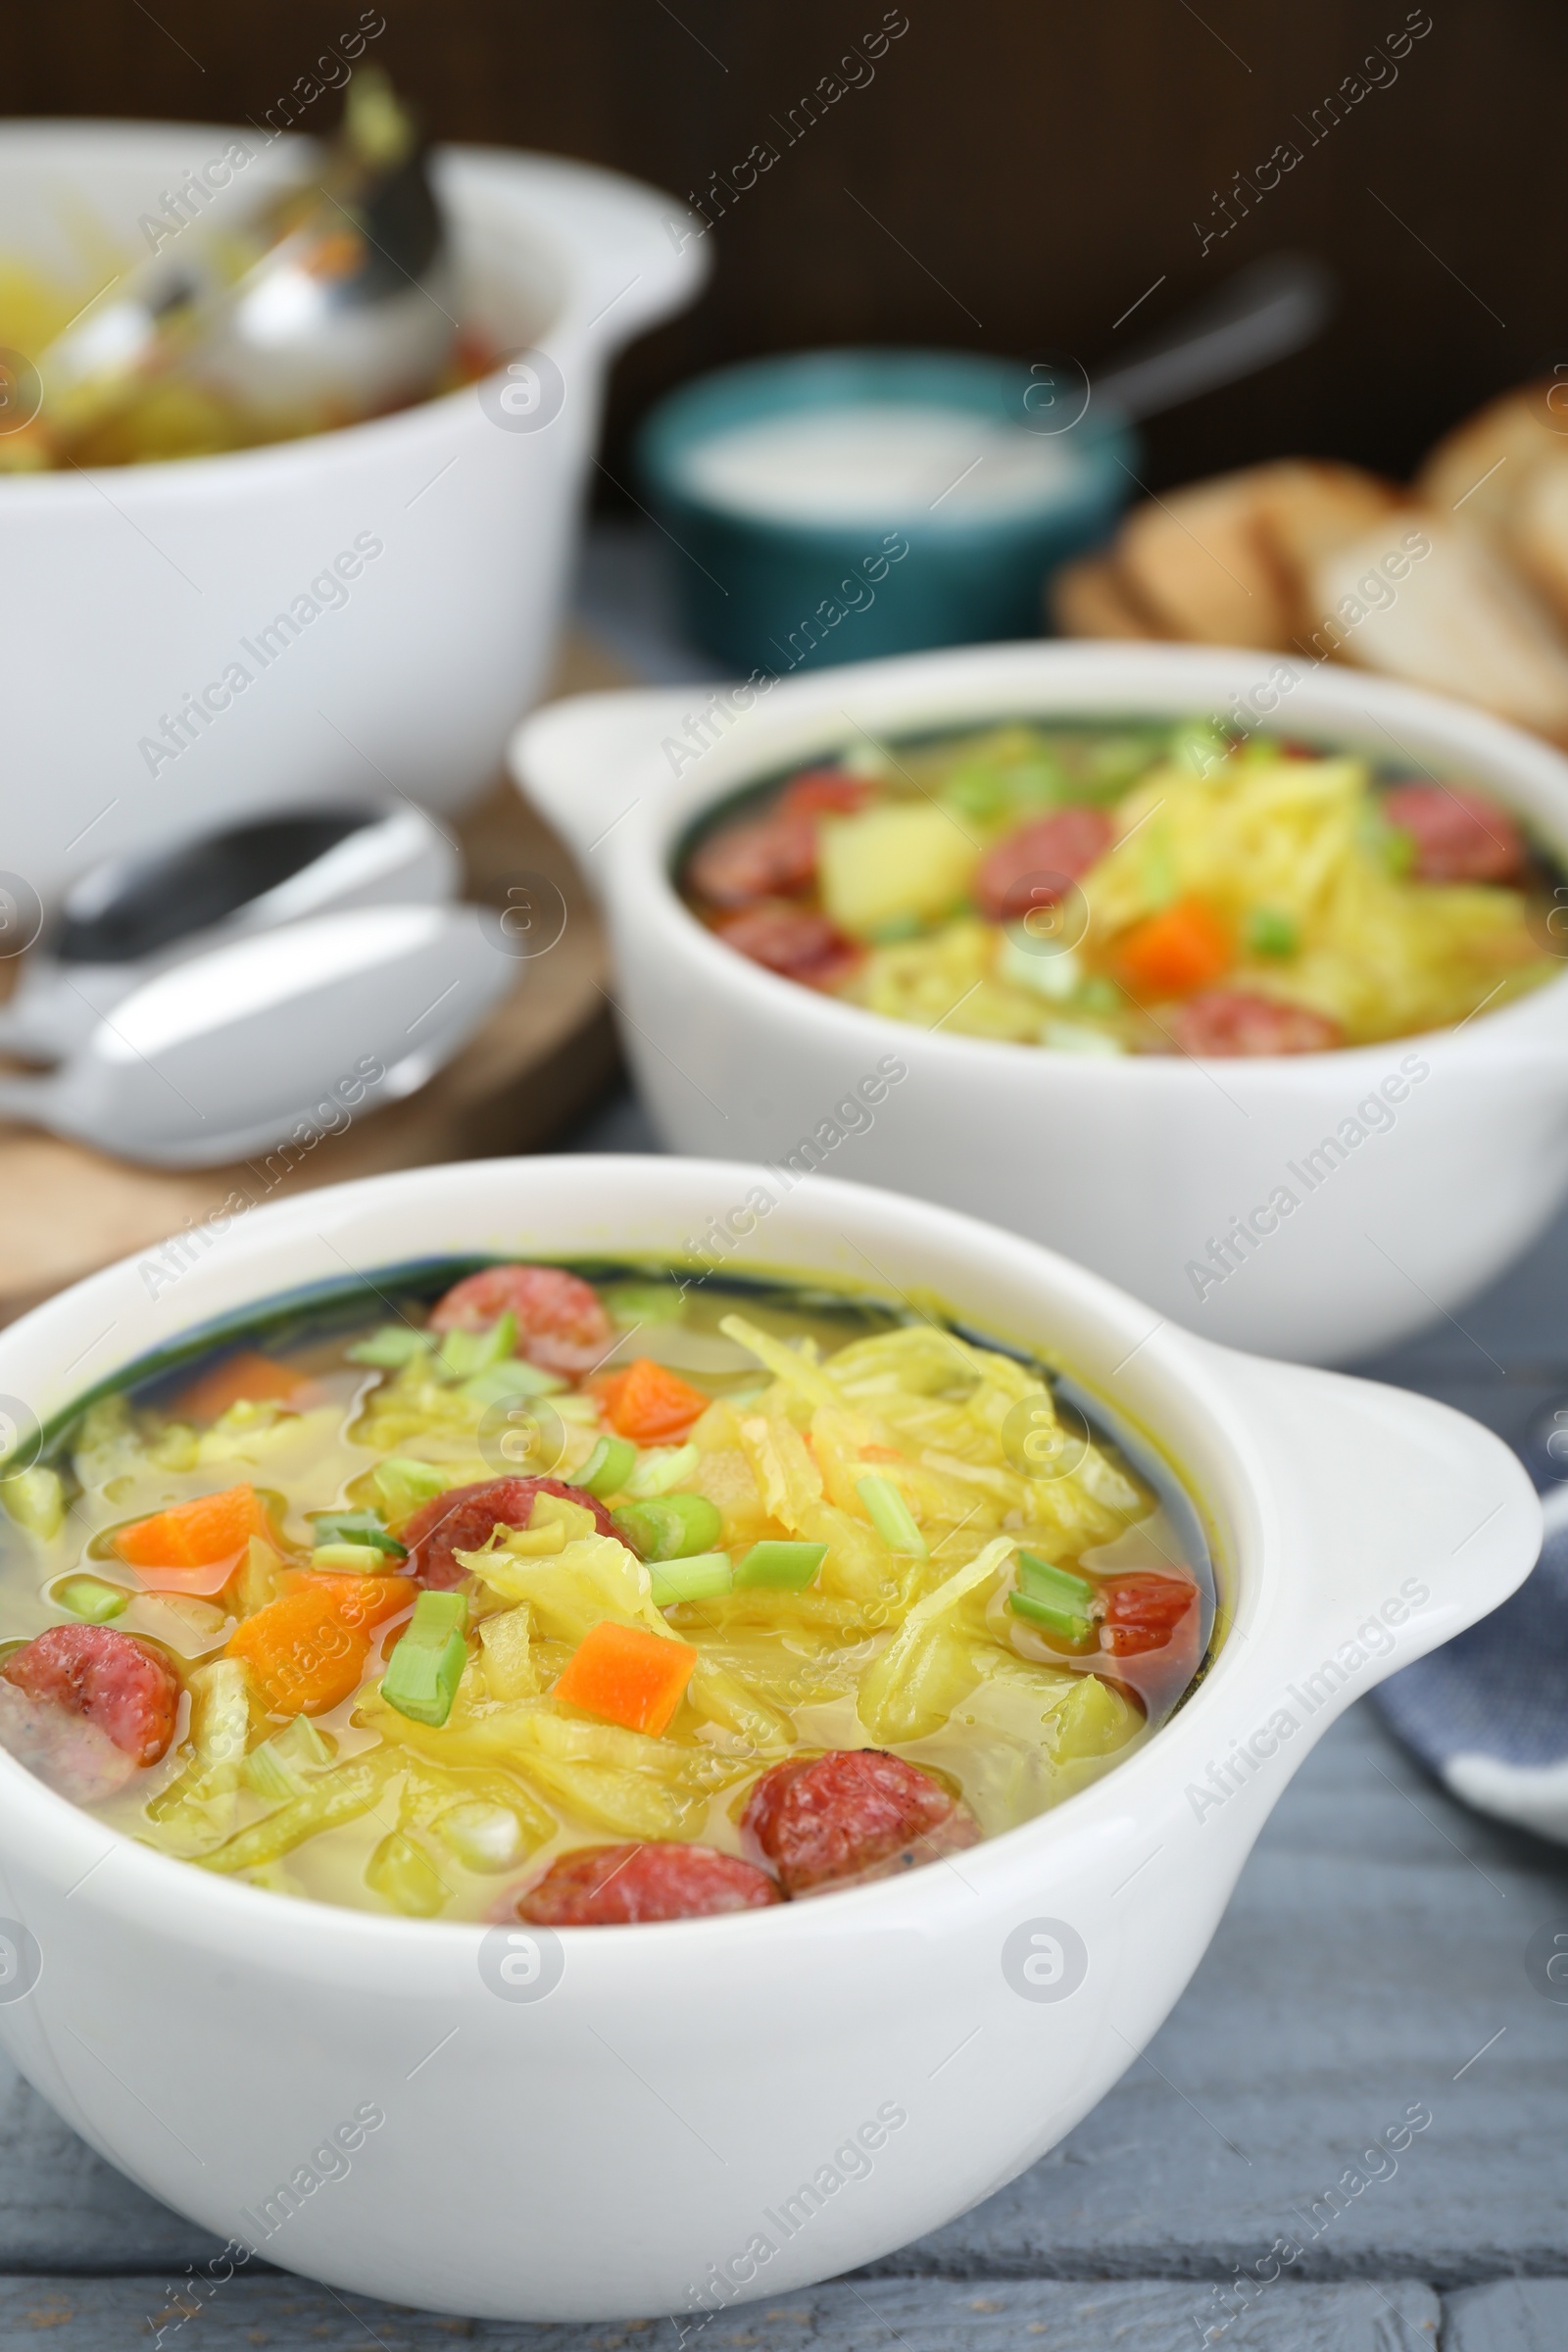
<point>589,1594</point>
<point>1116,889</point>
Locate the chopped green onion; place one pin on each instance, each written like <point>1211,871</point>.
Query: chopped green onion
<point>671,1528</point>
<point>392,1346</point>
<point>700,1578</point>
<point>1158,871</point>
<point>891,1515</point>
<point>86,1596</point>
<point>1045,1581</point>
<point>1052,1597</point>
<point>632,1302</point>
<point>351,1559</point>
<point>425,1667</point>
<point>1269,932</point>
<point>661,1468</point>
<point>1099,995</point>
<point>464,1353</point>
<point>790,1567</point>
<point>516,1377</point>
<point>1198,746</point>
<point>1060,1622</point>
<point>609,1466</point>
<point>896,929</point>
<point>356,1527</point>
<point>1117,760</point>
<point>403,1484</point>
<point>1391,845</point>
<point>977,791</point>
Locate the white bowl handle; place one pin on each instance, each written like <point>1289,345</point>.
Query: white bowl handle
<point>1396,1517</point>
<point>633,255</point>
<point>585,762</point>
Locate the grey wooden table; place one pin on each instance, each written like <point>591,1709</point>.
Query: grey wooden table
<point>1373,1957</point>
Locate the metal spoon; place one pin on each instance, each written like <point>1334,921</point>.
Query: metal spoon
<point>1264,312</point>
<point>131,916</point>
<point>231,1052</point>
<point>332,302</point>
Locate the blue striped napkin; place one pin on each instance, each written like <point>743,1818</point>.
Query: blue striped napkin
<point>1488,1713</point>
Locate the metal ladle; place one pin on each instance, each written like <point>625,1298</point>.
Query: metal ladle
<point>332,302</point>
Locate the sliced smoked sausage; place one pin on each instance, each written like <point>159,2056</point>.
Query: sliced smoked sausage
<point>562,1322</point>
<point>124,1688</point>
<point>1234,1021</point>
<point>617,1886</point>
<point>1460,835</point>
<point>460,1520</point>
<point>851,1815</point>
<point>1033,867</point>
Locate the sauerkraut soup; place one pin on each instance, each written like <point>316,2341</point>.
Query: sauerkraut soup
<point>1136,888</point>
<point>589,1596</point>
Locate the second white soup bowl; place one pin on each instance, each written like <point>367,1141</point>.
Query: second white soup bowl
<point>1136,1165</point>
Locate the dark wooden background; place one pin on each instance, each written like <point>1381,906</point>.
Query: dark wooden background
<point>1032,167</point>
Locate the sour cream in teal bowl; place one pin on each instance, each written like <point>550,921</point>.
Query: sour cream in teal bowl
<point>837,504</point>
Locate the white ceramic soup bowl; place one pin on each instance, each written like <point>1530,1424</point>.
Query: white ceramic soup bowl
<point>632,2121</point>
<point>1378,1187</point>
<point>439,539</point>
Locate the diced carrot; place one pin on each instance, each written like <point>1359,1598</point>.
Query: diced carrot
<point>194,1546</point>
<point>1183,946</point>
<point>627,1675</point>
<point>248,1377</point>
<point>309,1650</point>
<point>651,1404</point>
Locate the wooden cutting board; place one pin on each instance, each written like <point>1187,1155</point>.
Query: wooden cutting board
<point>543,1058</point>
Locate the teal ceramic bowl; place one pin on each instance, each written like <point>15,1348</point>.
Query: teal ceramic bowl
<point>787,590</point>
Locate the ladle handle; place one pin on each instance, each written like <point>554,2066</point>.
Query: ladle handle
<point>1261,314</point>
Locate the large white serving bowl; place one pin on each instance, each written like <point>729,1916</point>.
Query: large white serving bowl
<point>1134,1165</point>
<point>125,590</point>
<point>637,2140</point>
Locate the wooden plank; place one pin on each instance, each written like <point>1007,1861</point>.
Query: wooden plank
<point>544,1057</point>
<point>1392,2315</point>
<point>1517,2315</point>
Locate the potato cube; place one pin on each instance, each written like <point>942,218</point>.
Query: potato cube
<point>906,860</point>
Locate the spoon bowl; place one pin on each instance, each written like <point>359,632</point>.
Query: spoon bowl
<point>131,916</point>
<point>228,1051</point>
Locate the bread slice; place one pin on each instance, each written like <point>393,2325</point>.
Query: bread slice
<point>1090,598</point>
<point>1195,561</point>
<point>1224,561</point>
<point>1456,618</point>
<point>1538,533</point>
<point>1480,469</point>
<point>1306,509</point>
